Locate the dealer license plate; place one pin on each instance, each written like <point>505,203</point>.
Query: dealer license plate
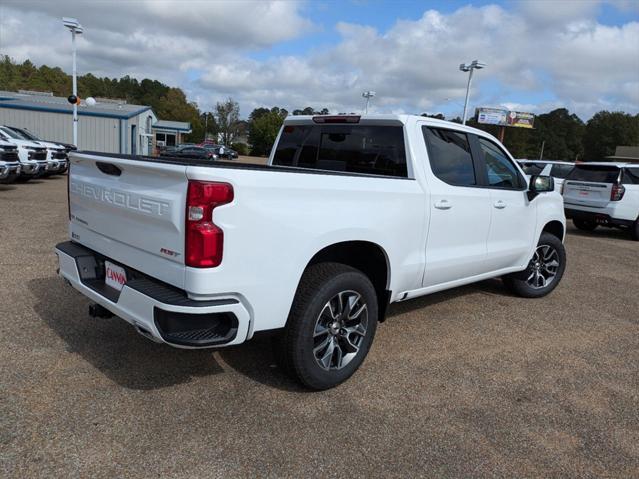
<point>115,275</point>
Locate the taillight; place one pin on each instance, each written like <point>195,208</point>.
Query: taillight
<point>204,240</point>
<point>617,191</point>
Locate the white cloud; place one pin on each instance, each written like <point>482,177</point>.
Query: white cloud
<point>539,54</point>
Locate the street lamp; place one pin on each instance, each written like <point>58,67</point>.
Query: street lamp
<point>76,29</point>
<point>474,65</point>
<point>368,95</point>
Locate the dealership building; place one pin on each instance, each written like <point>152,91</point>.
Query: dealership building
<point>109,126</point>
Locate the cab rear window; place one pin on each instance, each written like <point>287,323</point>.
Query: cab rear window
<point>594,173</point>
<point>368,149</point>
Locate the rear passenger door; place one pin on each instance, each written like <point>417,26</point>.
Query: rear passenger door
<point>459,209</point>
<point>512,216</point>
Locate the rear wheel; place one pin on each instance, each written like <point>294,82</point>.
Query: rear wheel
<point>331,325</point>
<point>634,230</point>
<point>544,271</point>
<point>584,225</point>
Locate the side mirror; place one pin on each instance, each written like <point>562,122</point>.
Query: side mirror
<point>540,184</point>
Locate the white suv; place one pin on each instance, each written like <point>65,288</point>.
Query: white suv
<point>603,194</point>
<point>559,170</point>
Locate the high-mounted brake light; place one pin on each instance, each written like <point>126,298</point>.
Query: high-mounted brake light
<point>617,191</point>
<point>336,119</point>
<point>204,239</point>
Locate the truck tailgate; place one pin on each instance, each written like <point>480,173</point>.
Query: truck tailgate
<point>131,211</point>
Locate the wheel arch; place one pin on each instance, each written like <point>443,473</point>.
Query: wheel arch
<point>365,256</point>
<point>555,228</point>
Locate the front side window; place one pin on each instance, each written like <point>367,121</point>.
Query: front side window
<point>501,172</point>
<point>367,149</point>
<point>450,157</point>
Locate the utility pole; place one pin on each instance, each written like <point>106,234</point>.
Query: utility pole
<point>368,95</point>
<point>474,65</point>
<point>75,28</point>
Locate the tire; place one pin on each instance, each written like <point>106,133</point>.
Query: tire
<point>584,225</point>
<point>541,276</point>
<point>634,230</point>
<point>321,348</point>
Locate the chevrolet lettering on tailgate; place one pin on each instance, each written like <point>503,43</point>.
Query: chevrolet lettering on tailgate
<point>121,199</point>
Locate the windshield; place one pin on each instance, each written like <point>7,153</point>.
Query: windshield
<point>25,134</point>
<point>13,134</point>
<point>596,173</point>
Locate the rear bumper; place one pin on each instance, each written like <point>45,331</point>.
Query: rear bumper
<point>602,219</point>
<point>156,310</point>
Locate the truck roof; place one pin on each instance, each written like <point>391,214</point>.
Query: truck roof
<point>608,163</point>
<point>382,119</point>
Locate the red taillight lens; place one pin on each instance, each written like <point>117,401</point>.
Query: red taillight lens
<point>204,240</point>
<point>617,191</point>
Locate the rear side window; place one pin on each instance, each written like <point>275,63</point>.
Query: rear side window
<point>533,168</point>
<point>561,171</point>
<point>449,156</point>
<point>369,149</point>
<point>631,176</point>
<point>597,174</point>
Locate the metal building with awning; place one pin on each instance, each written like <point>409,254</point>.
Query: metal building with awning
<point>109,126</point>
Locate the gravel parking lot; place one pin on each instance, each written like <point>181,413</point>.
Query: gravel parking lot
<point>466,383</point>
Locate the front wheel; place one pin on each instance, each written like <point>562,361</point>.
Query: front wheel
<point>545,270</point>
<point>331,325</point>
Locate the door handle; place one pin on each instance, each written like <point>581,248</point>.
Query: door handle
<point>443,205</point>
<point>499,204</point>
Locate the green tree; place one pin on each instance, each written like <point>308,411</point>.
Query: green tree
<point>263,129</point>
<point>227,116</point>
<point>561,133</point>
<point>607,130</point>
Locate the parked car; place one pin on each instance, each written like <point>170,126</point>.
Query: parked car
<point>350,214</point>
<point>57,154</point>
<point>557,169</point>
<point>603,194</point>
<point>195,152</point>
<point>9,162</point>
<point>32,157</point>
<point>220,151</point>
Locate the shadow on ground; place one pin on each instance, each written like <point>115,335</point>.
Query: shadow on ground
<point>115,349</point>
<point>112,346</point>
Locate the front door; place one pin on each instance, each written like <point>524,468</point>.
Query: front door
<point>513,216</point>
<point>459,209</point>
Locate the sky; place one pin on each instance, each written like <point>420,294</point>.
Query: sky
<point>540,54</point>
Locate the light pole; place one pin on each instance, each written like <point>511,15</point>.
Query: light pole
<point>474,65</point>
<point>76,29</point>
<point>368,95</point>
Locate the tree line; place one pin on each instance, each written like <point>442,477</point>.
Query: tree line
<point>564,135</point>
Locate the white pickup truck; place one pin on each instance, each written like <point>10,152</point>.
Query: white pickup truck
<point>350,214</point>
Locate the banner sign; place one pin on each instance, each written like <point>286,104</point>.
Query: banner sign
<point>499,117</point>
